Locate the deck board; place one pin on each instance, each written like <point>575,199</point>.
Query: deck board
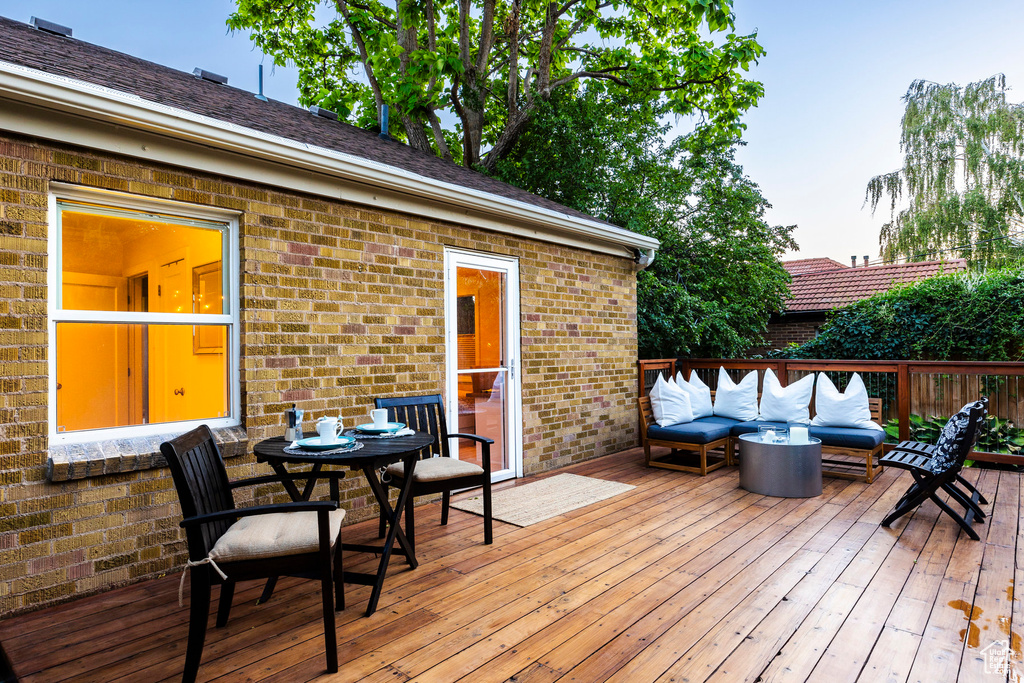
<point>682,578</point>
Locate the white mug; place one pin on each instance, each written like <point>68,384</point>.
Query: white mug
<point>380,417</point>
<point>328,428</point>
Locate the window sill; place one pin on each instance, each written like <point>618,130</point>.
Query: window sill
<point>84,460</point>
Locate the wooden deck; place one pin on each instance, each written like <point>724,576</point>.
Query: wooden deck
<point>682,579</point>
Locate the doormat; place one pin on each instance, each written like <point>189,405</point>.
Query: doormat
<point>547,498</point>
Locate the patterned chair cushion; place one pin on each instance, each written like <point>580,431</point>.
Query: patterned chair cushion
<point>956,439</point>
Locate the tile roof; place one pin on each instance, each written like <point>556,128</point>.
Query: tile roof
<point>811,265</point>
<point>26,46</point>
<point>825,290</point>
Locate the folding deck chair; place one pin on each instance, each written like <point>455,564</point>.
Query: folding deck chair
<point>938,467</point>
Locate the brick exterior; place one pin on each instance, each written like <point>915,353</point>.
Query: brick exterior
<point>781,333</point>
<point>339,303</point>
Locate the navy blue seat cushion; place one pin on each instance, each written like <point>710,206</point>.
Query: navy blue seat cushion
<point>704,430</point>
<point>848,437</point>
<point>752,426</point>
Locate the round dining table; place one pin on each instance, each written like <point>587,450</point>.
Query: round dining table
<point>371,458</point>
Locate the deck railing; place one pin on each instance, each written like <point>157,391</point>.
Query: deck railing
<point>917,396</point>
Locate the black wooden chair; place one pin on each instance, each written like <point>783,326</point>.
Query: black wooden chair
<point>436,472</point>
<point>916,454</point>
<point>7,674</point>
<point>228,544</point>
<point>939,468</point>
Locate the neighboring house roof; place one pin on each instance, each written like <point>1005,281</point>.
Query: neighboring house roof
<point>811,265</point>
<point>825,290</point>
<point>160,97</point>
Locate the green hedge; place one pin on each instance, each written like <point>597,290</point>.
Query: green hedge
<point>963,316</point>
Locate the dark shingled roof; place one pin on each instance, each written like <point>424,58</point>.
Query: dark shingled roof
<point>828,289</point>
<point>24,45</point>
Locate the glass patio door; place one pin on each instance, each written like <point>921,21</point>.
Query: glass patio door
<point>482,337</point>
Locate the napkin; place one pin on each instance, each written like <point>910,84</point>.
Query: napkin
<point>405,432</point>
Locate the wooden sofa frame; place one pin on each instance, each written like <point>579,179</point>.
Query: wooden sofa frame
<point>872,466</point>
<point>647,419</point>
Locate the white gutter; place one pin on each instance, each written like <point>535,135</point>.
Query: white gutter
<point>100,103</point>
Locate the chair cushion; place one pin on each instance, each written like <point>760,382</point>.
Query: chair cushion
<point>669,403</point>
<point>738,401</point>
<point>436,469</point>
<point>956,439</point>
<point>847,437</point>
<point>277,534</point>
<point>704,430</point>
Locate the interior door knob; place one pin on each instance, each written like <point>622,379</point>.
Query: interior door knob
<point>179,392</point>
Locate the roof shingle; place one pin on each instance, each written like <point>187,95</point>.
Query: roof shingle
<point>26,46</point>
<point>825,290</point>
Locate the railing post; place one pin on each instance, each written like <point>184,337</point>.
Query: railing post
<point>903,399</point>
<point>782,372</point>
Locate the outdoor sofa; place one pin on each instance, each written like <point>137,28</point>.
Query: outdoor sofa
<point>706,435</point>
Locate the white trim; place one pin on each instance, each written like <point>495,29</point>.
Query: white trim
<point>514,396</point>
<point>98,103</point>
<point>230,249</point>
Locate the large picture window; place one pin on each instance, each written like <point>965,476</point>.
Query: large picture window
<point>143,317</point>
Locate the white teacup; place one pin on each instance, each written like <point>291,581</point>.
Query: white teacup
<point>328,428</point>
<point>380,417</point>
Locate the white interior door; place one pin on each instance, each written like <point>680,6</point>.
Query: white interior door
<point>482,336</point>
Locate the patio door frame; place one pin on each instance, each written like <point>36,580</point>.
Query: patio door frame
<point>453,259</point>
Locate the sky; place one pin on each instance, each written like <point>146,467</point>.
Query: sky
<point>834,73</point>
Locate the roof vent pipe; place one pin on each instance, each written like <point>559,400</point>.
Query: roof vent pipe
<point>853,261</point>
<point>209,76</point>
<point>384,122</point>
<point>261,96</point>
<point>323,113</point>
<point>50,27</point>
<point>865,260</point>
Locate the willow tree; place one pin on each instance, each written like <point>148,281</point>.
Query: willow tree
<point>961,189</point>
<point>464,78</point>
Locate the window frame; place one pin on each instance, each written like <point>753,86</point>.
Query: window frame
<point>231,266</point>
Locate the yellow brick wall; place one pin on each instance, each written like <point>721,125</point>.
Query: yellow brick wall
<point>340,303</point>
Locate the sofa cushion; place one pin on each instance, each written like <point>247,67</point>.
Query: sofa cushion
<point>738,401</point>
<point>849,408</point>
<point>752,426</point>
<point>785,404</point>
<point>704,430</point>
<point>699,393</point>
<point>669,403</point>
<point>847,437</point>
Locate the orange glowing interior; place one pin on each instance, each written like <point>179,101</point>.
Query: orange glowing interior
<point>112,374</point>
<point>481,339</point>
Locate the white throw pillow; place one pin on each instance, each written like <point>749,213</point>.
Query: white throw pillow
<point>738,401</point>
<point>833,408</point>
<point>786,404</point>
<point>699,393</point>
<point>669,403</point>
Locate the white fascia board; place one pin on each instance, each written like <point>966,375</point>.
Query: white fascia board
<point>98,103</point>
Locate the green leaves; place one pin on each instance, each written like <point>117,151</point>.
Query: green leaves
<point>963,316</point>
<point>453,61</point>
<point>960,191</point>
<point>717,276</point>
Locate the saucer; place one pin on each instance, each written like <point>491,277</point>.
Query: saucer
<point>313,443</point>
<point>389,427</point>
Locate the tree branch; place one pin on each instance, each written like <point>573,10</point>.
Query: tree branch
<point>364,56</point>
